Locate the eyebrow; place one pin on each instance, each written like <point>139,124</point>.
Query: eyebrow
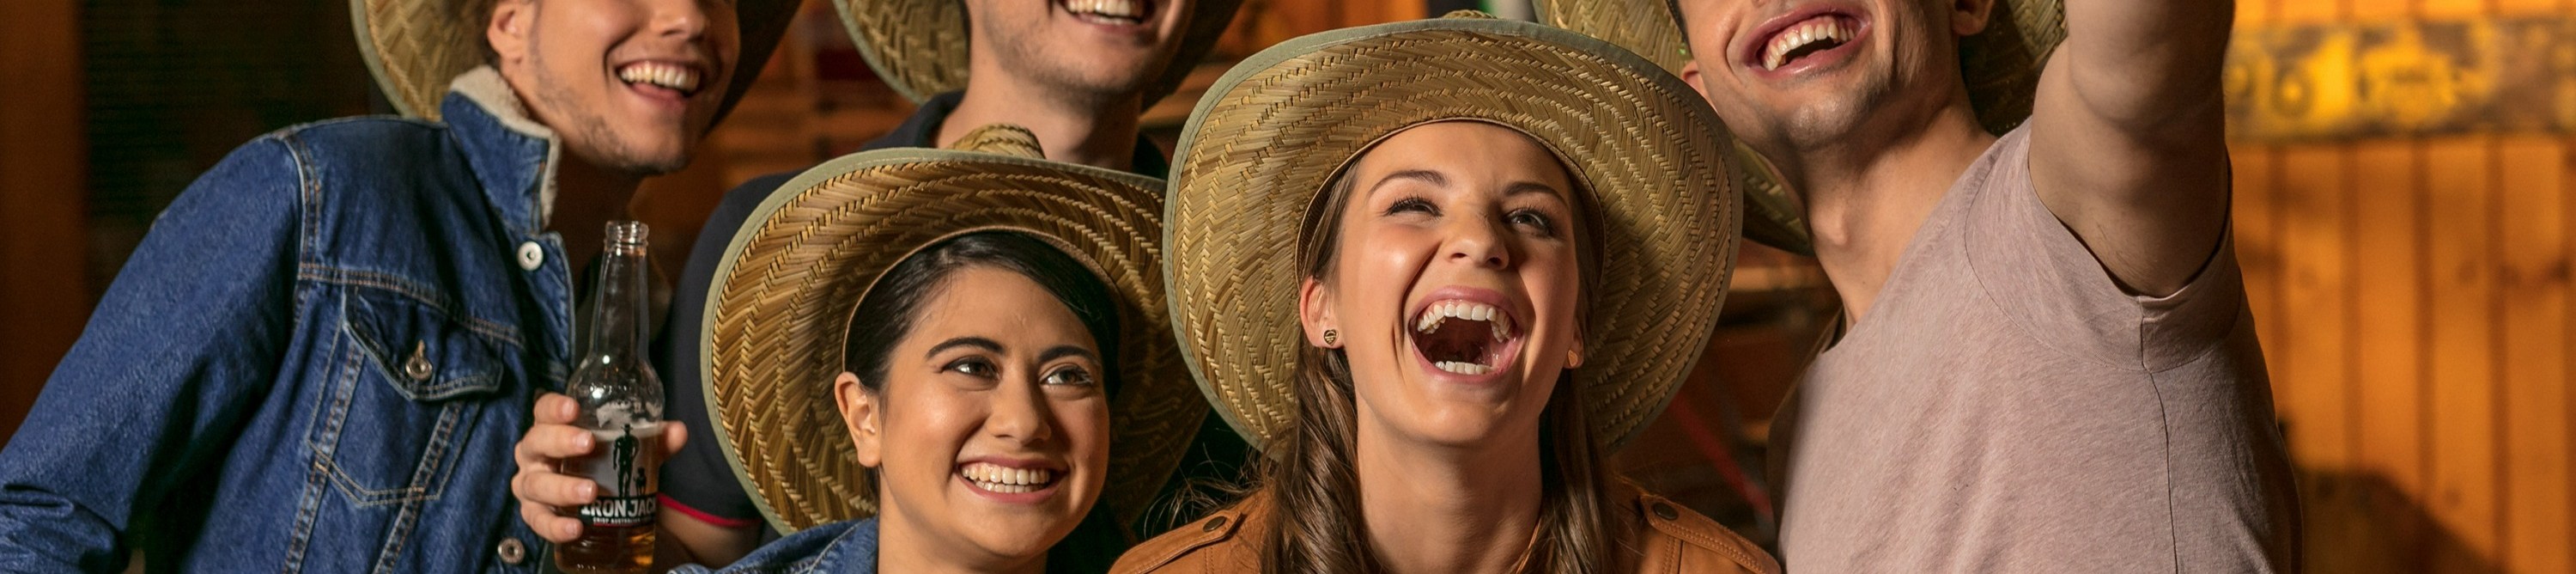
<point>1423,175</point>
<point>1062,351</point>
<point>1521,187</point>
<point>978,342</point>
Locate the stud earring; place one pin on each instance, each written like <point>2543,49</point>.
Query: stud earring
<point>1332,337</point>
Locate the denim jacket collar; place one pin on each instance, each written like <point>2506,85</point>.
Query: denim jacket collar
<point>512,155</point>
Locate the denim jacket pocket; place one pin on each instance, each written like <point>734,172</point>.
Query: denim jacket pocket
<point>415,383</point>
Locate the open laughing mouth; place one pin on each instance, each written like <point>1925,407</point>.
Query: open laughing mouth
<point>1109,12</point>
<point>1465,337</point>
<point>662,78</point>
<point>1805,39</point>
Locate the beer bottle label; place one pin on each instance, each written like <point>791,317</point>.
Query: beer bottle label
<point>626,466</point>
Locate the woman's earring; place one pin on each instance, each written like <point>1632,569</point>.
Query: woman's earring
<point>1332,337</point>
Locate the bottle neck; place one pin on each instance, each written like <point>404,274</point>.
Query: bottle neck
<point>619,308</point>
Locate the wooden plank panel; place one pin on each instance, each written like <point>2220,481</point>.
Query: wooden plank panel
<point>2527,8</point>
<point>2307,11</point>
<point>2437,9</point>
<point>2460,266</point>
<point>2313,294</point>
<point>2388,352</point>
<point>44,223</point>
<point>2258,247</point>
<point>2532,300</point>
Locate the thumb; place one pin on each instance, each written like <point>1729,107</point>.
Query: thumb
<point>673,437</point>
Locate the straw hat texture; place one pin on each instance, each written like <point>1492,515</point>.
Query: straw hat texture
<point>2001,66</point>
<point>415,47</point>
<point>790,280</point>
<point>1264,142</point>
<point>919,46</point>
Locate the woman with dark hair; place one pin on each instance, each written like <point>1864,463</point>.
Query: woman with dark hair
<point>1438,270</point>
<point>928,360</point>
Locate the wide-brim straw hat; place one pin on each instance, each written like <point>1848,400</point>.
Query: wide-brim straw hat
<point>1266,139</point>
<point>789,282</point>
<point>415,47</point>
<point>2001,66</point>
<point>919,46</point>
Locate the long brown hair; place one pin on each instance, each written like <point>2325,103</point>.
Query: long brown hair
<point>1314,479</point>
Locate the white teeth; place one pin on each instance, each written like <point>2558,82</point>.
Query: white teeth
<point>1809,32</point>
<point>1463,367</point>
<point>1112,8</point>
<point>1004,479</point>
<point>677,78</point>
<point>1445,310</point>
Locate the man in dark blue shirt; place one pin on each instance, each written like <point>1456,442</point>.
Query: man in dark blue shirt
<point>1077,74</point>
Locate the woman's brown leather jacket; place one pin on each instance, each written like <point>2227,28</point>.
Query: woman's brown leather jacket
<point>1672,539</point>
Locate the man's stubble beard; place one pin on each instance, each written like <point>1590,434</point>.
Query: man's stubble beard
<point>606,151</point>
<point>1061,74</point>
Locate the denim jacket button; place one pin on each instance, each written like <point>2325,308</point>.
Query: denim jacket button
<point>512,551</point>
<point>531,256</point>
<point>418,368</point>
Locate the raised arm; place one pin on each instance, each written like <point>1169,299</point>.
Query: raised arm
<point>186,340</point>
<point>2128,142</point>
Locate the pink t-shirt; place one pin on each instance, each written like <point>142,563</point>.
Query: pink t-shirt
<point>2006,407</point>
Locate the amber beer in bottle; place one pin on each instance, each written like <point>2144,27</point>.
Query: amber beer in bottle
<point>621,406</point>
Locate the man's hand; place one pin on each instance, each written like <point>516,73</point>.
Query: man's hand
<point>546,497</point>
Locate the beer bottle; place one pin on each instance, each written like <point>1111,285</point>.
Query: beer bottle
<point>621,406</point>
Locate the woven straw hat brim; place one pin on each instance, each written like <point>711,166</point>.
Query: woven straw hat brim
<point>2001,66</point>
<point>788,283</point>
<point>415,47</point>
<point>919,46</point>
<point>1262,144</point>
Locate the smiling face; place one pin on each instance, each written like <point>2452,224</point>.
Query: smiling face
<point>1092,49</point>
<point>1803,75</point>
<point>990,432</point>
<point>1453,283</point>
<point>627,85</point>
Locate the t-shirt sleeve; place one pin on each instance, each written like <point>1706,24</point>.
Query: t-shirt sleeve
<point>2031,264</point>
<point>699,481</point>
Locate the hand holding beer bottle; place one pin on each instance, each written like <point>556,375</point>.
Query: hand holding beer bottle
<point>588,468</point>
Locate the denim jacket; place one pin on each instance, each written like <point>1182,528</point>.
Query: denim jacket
<point>318,361</point>
<point>845,547</point>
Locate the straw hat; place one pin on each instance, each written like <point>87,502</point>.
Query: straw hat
<point>2001,66</point>
<point>919,46</point>
<point>414,47</point>
<point>788,283</point>
<point>1262,145</point>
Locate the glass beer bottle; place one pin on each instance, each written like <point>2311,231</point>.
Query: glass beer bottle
<point>621,406</point>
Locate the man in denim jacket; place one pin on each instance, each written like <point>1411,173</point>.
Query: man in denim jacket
<point>320,357</point>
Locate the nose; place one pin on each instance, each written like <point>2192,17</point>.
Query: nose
<point>686,19</point>
<point>1020,413</point>
<point>1478,241</point>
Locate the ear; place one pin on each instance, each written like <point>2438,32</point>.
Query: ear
<point>1690,75</point>
<point>1315,313</point>
<point>508,33</point>
<point>1968,17</point>
<point>859,410</point>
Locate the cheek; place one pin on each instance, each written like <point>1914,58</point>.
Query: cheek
<point>925,429</point>
<point>1555,284</point>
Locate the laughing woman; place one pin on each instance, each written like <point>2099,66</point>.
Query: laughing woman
<point>968,350</point>
<point>1439,270</point>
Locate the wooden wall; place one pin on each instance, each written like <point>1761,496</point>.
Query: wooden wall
<point>2412,297</point>
<point>44,242</point>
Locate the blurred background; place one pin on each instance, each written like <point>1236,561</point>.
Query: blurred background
<point>2403,176</point>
